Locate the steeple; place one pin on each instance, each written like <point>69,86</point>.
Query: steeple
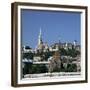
<point>40,37</point>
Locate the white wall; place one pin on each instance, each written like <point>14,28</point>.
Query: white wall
<point>5,47</point>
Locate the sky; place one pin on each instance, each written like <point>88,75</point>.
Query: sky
<point>55,26</point>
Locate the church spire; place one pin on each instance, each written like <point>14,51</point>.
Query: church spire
<point>40,32</point>
<point>40,37</point>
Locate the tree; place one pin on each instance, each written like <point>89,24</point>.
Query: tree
<point>63,51</point>
<point>27,55</point>
<point>71,68</point>
<point>27,68</point>
<point>72,52</point>
<point>39,69</point>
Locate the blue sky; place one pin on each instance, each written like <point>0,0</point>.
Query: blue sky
<point>63,26</point>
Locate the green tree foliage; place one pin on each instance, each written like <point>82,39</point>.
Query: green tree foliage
<point>28,55</point>
<point>39,69</point>
<point>63,51</point>
<point>47,55</point>
<point>71,68</point>
<point>34,69</point>
<point>27,68</point>
<point>72,52</point>
<point>69,52</point>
